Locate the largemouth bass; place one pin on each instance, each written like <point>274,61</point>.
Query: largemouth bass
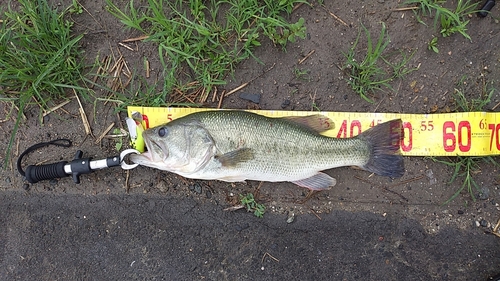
<point>236,146</point>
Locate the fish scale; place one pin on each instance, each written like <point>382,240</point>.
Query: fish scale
<point>278,140</point>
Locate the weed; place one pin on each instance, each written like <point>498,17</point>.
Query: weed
<point>400,69</point>
<point>39,59</point>
<point>248,201</point>
<point>366,76</point>
<point>432,45</point>
<point>468,166</point>
<point>302,74</point>
<point>473,104</point>
<point>119,140</point>
<point>198,46</point>
<point>451,21</point>
<point>75,8</point>
<point>467,103</point>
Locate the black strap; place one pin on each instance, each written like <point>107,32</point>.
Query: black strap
<point>57,142</point>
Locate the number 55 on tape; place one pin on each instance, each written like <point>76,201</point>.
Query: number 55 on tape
<point>449,134</point>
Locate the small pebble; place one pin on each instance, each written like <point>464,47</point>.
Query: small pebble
<point>290,218</point>
<point>7,179</point>
<point>255,98</point>
<point>484,193</point>
<point>197,188</point>
<point>285,103</point>
<point>26,186</point>
<point>460,212</point>
<point>242,227</point>
<point>53,182</point>
<point>483,223</point>
<point>430,175</point>
<point>208,194</point>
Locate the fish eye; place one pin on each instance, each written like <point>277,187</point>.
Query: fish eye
<point>162,132</point>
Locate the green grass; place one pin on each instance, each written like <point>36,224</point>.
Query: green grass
<point>248,201</point>
<point>466,102</point>
<point>465,167</point>
<point>39,58</point>
<point>302,74</point>
<point>447,21</point>
<point>197,45</point>
<point>366,75</point>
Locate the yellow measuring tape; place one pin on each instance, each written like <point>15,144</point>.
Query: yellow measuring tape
<point>449,134</point>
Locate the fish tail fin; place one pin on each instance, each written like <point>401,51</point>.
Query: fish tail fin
<point>384,141</point>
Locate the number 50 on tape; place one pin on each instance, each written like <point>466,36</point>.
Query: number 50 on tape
<point>449,134</point>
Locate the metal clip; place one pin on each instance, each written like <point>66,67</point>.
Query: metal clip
<point>124,164</point>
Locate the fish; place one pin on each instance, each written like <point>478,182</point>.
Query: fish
<point>237,145</point>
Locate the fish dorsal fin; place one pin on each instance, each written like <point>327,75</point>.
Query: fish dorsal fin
<point>318,123</point>
<point>233,158</point>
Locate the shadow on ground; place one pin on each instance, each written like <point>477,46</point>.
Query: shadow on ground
<point>143,237</point>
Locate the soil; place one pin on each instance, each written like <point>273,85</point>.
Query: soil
<point>147,224</point>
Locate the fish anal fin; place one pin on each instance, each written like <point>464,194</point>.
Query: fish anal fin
<point>233,158</point>
<point>318,123</point>
<point>319,181</point>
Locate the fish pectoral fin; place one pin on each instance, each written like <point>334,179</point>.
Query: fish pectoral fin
<point>233,158</point>
<point>320,181</point>
<point>318,123</point>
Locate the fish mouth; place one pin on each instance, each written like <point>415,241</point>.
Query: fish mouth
<point>154,151</point>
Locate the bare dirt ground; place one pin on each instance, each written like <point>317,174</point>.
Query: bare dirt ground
<point>169,228</point>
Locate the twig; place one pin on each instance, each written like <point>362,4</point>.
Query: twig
<point>99,139</point>
<point>135,39</point>
<point>335,17</point>
<point>236,89</point>
<point>22,113</point>
<point>128,73</point>
<point>375,110</point>
<point>306,57</point>
<point>246,84</point>
<point>406,181</point>
<point>269,255</point>
<point>495,229</point>
<point>86,123</point>
<point>125,46</point>
<point>297,6</point>
<point>387,188</point>
<point>496,105</point>
<point>220,100</point>
<point>405,9</point>
<point>148,73</point>
<point>234,208</point>
<point>204,95</point>
<point>214,95</point>
<point>127,187</point>
<point>46,112</point>
<point>316,214</point>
